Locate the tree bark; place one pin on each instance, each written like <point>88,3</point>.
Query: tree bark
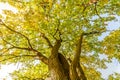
<point>57,67</point>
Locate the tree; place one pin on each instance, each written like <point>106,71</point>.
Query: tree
<point>115,76</point>
<point>60,37</point>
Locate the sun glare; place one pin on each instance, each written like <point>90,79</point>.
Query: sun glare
<point>6,6</point>
<point>6,69</point>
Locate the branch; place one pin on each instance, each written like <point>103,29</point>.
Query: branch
<point>57,31</point>
<point>79,46</point>
<point>82,74</point>
<point>93,2</point>
<point>39,54</point>
<point>88,4</point>
<point>76,59</point>
<point>13,46</point>
<point>47,40</point>
<point>97,11</point>
<point>17,33</point>
<point>78,51</point>
<point>94,32</point>
<point>56,48</point>
<point>58,41</point>
<point>43,58</point>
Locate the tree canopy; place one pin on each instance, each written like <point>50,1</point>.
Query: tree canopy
<point>40,28</point>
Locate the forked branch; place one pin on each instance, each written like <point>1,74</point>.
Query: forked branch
<point>17,33</point>
<point>56,48</point>
<point>79,45</point>
<point>47,40</point>
<point>43,58</point>
<point>30,48</point>
<point>75,63</point>
<point>97,11</point>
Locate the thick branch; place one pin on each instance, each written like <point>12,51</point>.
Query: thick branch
<point>43,58</point>
<point>75,62</point>
<point>82,74</point>
<point>74,74</point>
<point>39,54</point>
<point>58,41</point>
<point>79,46</point>
<point>78,51</point>
<point>56,48</point>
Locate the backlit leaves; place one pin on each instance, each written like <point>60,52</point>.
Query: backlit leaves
<point>35,18</point>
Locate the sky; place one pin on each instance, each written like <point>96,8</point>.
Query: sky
<point>6,69</point>
<point>4,6</point>
<point>112,67</point>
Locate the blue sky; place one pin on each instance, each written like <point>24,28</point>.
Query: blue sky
<point>112,25</point>
<point>114,66</point>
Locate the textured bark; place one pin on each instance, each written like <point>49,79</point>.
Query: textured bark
<point>56,63</point>
<point>56,70</point>
<point>73,72</point>
<point>59,68</point>
<point>81,73</point>
<point>65,65</point>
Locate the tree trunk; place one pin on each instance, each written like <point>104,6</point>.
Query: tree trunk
<point>57,64</point>
<point>58,68</point>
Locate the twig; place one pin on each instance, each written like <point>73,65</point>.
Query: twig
<point>13,46</point>
<point>39,54</point>
<point>47,40</point>
<point>17,33</point>
<point>93,32</point>
<point>97,11</point>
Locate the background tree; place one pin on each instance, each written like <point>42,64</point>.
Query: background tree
<point>60,37</point>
